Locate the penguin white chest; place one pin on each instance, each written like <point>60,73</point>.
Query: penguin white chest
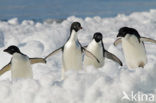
<point>72,56</point>
<point>20,67</point>
<point>97,50</point>
<point>134,52</point>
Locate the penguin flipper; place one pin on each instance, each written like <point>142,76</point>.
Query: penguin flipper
<point>148,40</point>
<point>112,57</point>
<point>54,52</point>
<point>89,54</point>
<point>5,69</point>
<point>117,41</point>
<point>37,60</point>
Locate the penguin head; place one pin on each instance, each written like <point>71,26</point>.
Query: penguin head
<point>12,49</point>
<point>98,37</point>
<point>75,26</point>
<point>126,30</point>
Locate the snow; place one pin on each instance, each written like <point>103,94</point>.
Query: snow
<point>104,85</point>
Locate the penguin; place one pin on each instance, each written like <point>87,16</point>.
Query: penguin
<point>72,51</point>
<point>20,64</point>
<point>133,46</point>
<point>96,47</point>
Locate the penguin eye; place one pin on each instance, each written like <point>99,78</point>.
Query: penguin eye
<point>75,26</point>
<point>96,36</point>
<point>12,49</point>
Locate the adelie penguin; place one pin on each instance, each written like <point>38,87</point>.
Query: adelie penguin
<point>72,51</point>
<point>133,46</point>
<point>96,47</point>
<point>20,64</point>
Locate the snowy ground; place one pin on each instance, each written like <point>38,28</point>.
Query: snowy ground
<point>105,85</point>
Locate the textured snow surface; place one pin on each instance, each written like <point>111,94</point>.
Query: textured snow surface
<point>104,85</point>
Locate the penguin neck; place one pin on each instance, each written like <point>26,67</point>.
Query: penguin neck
<point>100,44</point>
<point>15,54</point>
<point>132,37</point>
<point>96,43</point>
<point>73,36</point>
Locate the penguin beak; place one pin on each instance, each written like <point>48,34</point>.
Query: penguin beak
<point>80,28</point>
<point>118,35</point>
<point>5,50</point>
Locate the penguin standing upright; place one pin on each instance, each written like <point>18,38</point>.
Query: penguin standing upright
<point>96,47</point>
<point>72,51</point>
<point>20,64</point>
<point>133,46</point>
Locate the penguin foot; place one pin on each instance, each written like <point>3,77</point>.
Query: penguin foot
<point>141,65</point>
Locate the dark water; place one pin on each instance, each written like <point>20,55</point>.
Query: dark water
<point>39,10</point>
